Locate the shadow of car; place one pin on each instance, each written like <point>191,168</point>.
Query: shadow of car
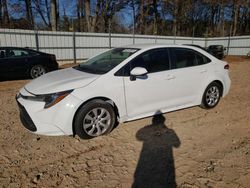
<point>18,62</point>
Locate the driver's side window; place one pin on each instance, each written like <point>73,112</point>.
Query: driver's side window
<point>155,60</point>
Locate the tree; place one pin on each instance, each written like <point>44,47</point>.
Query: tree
<point>162,17</point>
<point>236,9</point>
<point>29,13</point>
<point>1,14</point>
<point>5,14</point>
<point>43,10</point>
<point>141,17</point>
<point>80,15</point>
<point>176,16</point>
<point>54,14</point>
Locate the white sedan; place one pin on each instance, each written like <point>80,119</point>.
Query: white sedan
<point>121,85</point>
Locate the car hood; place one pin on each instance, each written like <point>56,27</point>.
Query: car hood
<point>61,80</point>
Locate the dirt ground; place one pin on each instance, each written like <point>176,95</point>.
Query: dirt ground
<point>191,148</point>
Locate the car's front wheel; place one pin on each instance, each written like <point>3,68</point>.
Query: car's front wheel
<point>94,119</point>
<point>212,95</point>
<point>37,70</point>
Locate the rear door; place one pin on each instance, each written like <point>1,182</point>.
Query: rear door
<point>17,61</point>
<point>189,69</point>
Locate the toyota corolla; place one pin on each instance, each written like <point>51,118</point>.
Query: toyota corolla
<point>120,85</point>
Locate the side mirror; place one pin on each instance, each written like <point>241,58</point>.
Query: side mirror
<point>137,71</point>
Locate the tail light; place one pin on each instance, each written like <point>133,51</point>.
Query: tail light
<point>226,66</point>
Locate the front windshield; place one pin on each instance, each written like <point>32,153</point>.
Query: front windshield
<point>106,61</point>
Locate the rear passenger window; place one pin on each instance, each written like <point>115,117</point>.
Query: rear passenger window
<point>201,59</point>
<point>182,57</point>
<point>17,53</point>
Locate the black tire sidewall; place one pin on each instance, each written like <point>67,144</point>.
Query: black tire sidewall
<point>78,128</point>
<point>204,102</point>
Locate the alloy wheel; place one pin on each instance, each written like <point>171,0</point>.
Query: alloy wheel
<point>96,122</point>
<point>212,96</point>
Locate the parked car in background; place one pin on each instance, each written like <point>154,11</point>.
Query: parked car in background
<point>217,51</point>
<point>23,62</point>
<point>122,84</point>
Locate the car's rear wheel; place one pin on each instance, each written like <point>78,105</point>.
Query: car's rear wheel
<point>94,119</point>
<point>212,95</point>
<point>37,70</point>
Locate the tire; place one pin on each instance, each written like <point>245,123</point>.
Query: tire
<point>96,118</point>
<point>37,70</point>
<point>211,96</point>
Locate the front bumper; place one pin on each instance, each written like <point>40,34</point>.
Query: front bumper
<point>25,118</point>
<point>56,120</point>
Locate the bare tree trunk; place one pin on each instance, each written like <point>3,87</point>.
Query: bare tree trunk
<point>232,18</point>
<point>48,12</point>
<point>212,12</point>
<point>6,19</point>
<point>29,14</point>
<point>222,21</point>
<point>175,13</point>
<point>91,21</point>
<point>41,13</point>
<point>80,15</point>
<point>1,14</point>
<point>133,8</point>
<point>66,23</point>
<point>53,7</point>
<point>141,22</point>
<point>248,17</point>
<point>155,17</point>
<point>243,20</point>
<point>236,15</point>
<point>87,14</point>
<point>96,17</point>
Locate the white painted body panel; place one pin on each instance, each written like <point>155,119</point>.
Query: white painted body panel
<point>60,80</point>
<point>162,91</point>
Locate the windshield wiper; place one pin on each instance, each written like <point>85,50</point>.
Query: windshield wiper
<point>88,69</point>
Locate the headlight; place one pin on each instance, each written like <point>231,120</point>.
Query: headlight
<point>49,99</point>
<point>54,98</point>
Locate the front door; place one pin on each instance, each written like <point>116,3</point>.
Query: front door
<point>150,93</point>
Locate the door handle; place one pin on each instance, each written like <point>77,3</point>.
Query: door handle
<point>170,77</point>
<point>203,71</point>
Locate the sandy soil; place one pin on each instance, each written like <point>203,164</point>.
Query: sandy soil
<point>191,148</point>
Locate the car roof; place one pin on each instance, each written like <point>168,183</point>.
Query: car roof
<point>21,48</point>
<point>151,46</point>
<point>12,47</point>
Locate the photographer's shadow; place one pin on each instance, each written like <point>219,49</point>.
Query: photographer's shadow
<point>156,167</point>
